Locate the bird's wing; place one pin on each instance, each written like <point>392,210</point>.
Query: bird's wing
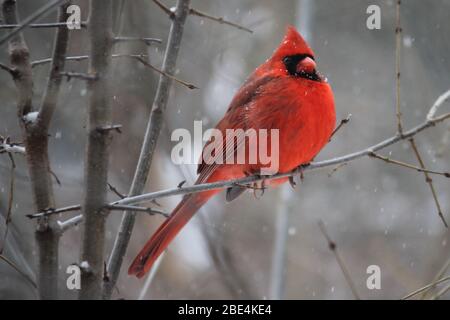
<point>235,118</point>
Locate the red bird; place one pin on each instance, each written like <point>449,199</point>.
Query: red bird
<point>285,93</point>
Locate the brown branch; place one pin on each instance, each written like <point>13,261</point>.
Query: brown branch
<point>52,91</point>
<point>398,38</point>
<point>10,201</point>
<point>218,19</point>
<point>41,25</point>
<point>440,273</point>
<point>151,137</point>
<point>146,41</point>
<point>97,150</point>
<point>78,75</point>
<point>434,283</point>
<point>342,123</point>
<point>428,180</point>
<point>333,247</point>
<point>407,165</point>
<point>115,191</point>
<point>166,10</point>
<point>36,144</point>
<point>165,74</point>
<point>81,58</point>
<point>23,274</point>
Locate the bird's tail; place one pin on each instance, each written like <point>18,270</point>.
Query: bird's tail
<point>185,210</point>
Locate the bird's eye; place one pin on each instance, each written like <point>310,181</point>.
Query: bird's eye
<point>301,65</point>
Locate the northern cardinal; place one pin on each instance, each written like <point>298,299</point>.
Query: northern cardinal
<point>286,93</point>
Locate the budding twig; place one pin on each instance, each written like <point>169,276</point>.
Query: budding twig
<point>407,165</point>
<point>220,20</point>
<point>429,181</point>
<point>333,247</point>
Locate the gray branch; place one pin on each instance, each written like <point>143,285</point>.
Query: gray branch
<point>149,144</point>
<point>97,150</point>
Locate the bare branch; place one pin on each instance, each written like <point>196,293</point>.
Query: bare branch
<point>412,294</point>
<point>343,122</point>
<point>398,39</point>
<point>10,70</point>
<point>97,154</point>
<point>333,247</point>
<point>10,201</point>
<point>36,144</point>
<point>78,75</point>
<point>165,74</point>
<point>218,19</point>
<point>150,211</point>
<point>69,223</point>
<point>43,11</point>
<point>169,12</point>
<point>84,57</point>
<point>151,137</point>
<point>146,41</point>
<point>23,274</point>
<point>429,180</point>
<point>50,99</point>
<point>407,165</point>
<point>83,24</point>
<point>115,191</point>
<point>51,211</point>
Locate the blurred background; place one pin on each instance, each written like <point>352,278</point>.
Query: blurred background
<point>378,214</point>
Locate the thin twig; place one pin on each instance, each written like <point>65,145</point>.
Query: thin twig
<point>330,174</point>
<point>52,211</point>
<point>23,274</point>
<point>333,247</point>
<point>441,272</point>
<point>10,201</point>
<point>441,293</point>
<point>407,165</point>
<point>115,191</point>
<point>218,19</point>
<point>343,122</point>
<point>42,25</point>
<point>412,294</point>
<point>428,180</point>
<point>83,57</point>
<point>147,41</point>
<point>169,12</point>
<point>398,38</point>
<point>150,211</point>
<point>78,75</point>
<point>165,74</point>
<point>7,69</point>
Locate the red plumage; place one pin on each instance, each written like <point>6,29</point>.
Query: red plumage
<point>284,93</point>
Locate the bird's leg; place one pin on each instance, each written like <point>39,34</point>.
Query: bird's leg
<point>259,185</point>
